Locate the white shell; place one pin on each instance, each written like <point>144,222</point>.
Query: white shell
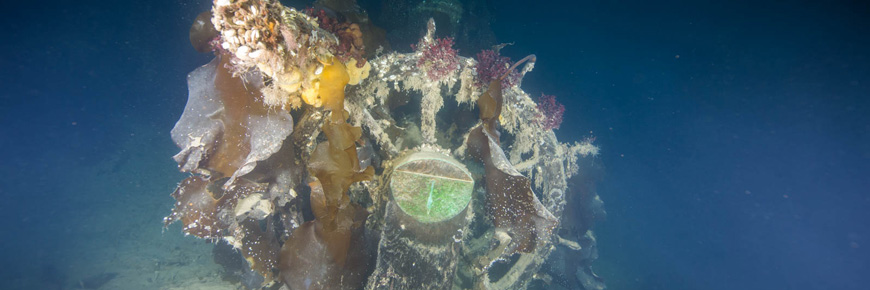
<point>242,52</point>
<point>256,53</point>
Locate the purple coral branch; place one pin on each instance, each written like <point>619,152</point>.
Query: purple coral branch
<point>551,112</point>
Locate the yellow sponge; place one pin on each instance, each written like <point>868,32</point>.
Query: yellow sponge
<point>333,79</point>
<point>357,74</point>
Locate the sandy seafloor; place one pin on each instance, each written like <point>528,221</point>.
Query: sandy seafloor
<point>117,227</point>
<point>85,150</point>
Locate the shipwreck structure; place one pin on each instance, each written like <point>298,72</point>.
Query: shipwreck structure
<point>326,164</point>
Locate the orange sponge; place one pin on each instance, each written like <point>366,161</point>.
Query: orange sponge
<point>333,79</point>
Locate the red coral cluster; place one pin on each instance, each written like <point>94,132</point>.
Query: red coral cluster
<point>323,19</point>
<point>551,112</point>
<point>491,66</point>
<point>438,58</point>
<point>350,43</point>
<point>350,38</point>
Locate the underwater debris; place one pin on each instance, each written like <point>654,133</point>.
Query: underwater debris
<point>425,220</point>
<point>326,170</point>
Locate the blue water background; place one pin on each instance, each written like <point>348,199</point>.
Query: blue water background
<point>734,135</point>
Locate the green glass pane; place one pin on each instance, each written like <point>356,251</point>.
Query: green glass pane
<point>431,187</point>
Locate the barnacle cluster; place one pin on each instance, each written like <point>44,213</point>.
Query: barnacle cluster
<point>325,170</point>
<point>287,46</point>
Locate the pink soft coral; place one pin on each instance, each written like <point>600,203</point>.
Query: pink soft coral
<point>551,112</point>
<point>438,58</point>
<point>491,66</point>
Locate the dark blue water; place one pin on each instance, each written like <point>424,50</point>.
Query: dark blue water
<point>734,135</point>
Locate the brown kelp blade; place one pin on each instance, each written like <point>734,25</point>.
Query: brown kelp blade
<point>511,201</point>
